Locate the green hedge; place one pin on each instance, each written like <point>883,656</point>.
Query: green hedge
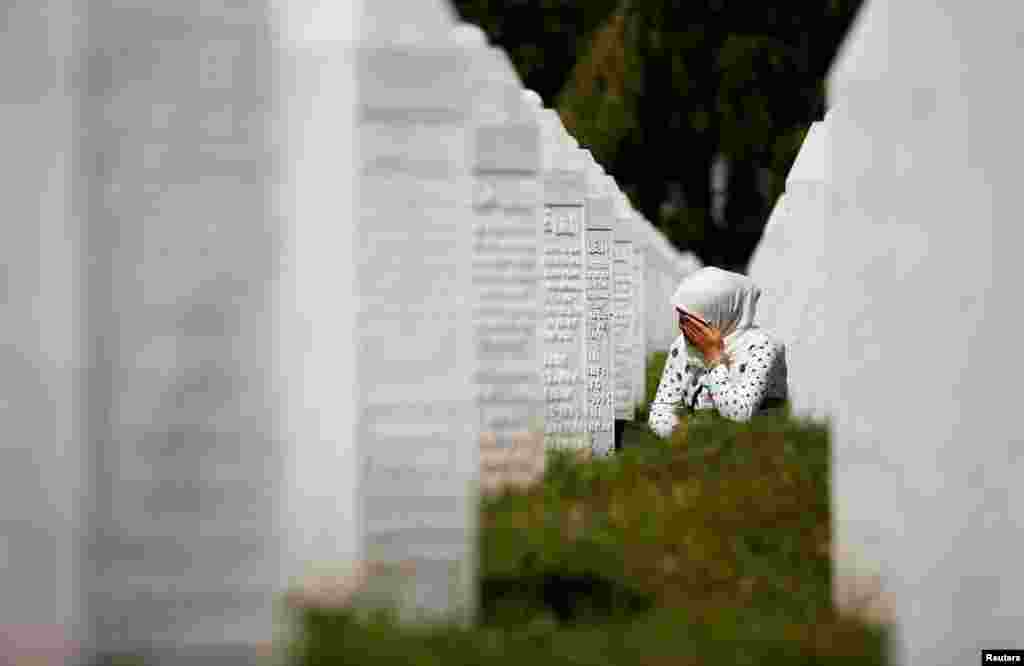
<point>711,548</point>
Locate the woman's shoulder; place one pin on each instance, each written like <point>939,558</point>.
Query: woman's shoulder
<point>760,338</point>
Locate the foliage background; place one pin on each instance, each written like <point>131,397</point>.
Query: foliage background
<point>660,91</point>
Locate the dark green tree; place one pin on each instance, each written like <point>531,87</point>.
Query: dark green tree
<point>544,38</point>
<point>663,90</point>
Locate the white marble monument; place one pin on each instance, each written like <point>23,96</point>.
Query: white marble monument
<point>187,461</point>
<point>562,295</point>
<point>916,333</point>
<point>640,349</point>
<point>43,259</point>
<point>789,265</point>
<point>599,271</point>
<point>240,354</point>
<point>623,330</point>
<point>507,240</point>
<point>417,427</point>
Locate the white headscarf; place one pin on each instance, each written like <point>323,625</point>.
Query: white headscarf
<point>726,300</point>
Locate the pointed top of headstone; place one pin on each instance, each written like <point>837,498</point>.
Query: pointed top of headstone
<point>469,35</point>
<point>597,185</point>
<point>534,100</point>
<point>692,261</point>
<point>551,125</point>
<point>565,138</point>
<point>569,156</point>
<point>611,190</point>
<point>507,69</point>
<point>496,96</point>
<point>623,211</point>
<point>550,129</point>
<point>777,211</point>
<point>863,54</point>
<point>811,163</point>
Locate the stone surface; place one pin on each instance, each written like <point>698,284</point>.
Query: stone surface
<point>600,378</point>
<point>663,277</point>
<point>640,350</point>
<point>562,295</point>
<point>211,319</point>
<point>664,267</point>
<point>44,454</point>
<point>418,427</point>
<point>926,221</point>
<point>185,542</point>
<point>244,344</point>
<point>921,206</point>
<point>623,332</point>
<point>507,239</point>
<point>789,266</point>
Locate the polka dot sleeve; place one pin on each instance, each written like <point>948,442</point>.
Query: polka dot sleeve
<point>739,391</point>
<point>663,419</point>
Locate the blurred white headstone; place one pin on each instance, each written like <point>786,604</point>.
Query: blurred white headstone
<point>789,266</point>
<point>766,267</point>
<point>507,237</point>
<point>640,350</point>
<point>43,254</point>
<point>377,342</point>
<point>418,429</point>
<point>237,338</point>
<point>924,221</point>
<point>600,377</point>
<point>622,305</point>
<point>185,543</point>
<point>662,326</point>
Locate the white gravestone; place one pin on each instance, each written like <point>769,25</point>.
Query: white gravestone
<point>652,290</point>
<point>922,420</point>
<point>640,349</point>
<point>927,464</point>
<point>768,269</point>
<point>867,526</point>
<point>665,316</point>
<point>185,542</point>
<point>807,206</point>
<point>563,296</point>
<point>418,433</point>
<point>661,328</point>
<point>789,267</point>
<point>507,238</point>
<point>600,377</point>
<point>381,337</point>
<point>666,267</point>
<point>622,303</point>
<point>43,253</point>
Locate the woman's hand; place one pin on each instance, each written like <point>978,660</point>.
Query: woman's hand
<point>705,337</point>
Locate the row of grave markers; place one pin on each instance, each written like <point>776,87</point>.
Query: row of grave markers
<point>274,287</point>
<point>891,269</point>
